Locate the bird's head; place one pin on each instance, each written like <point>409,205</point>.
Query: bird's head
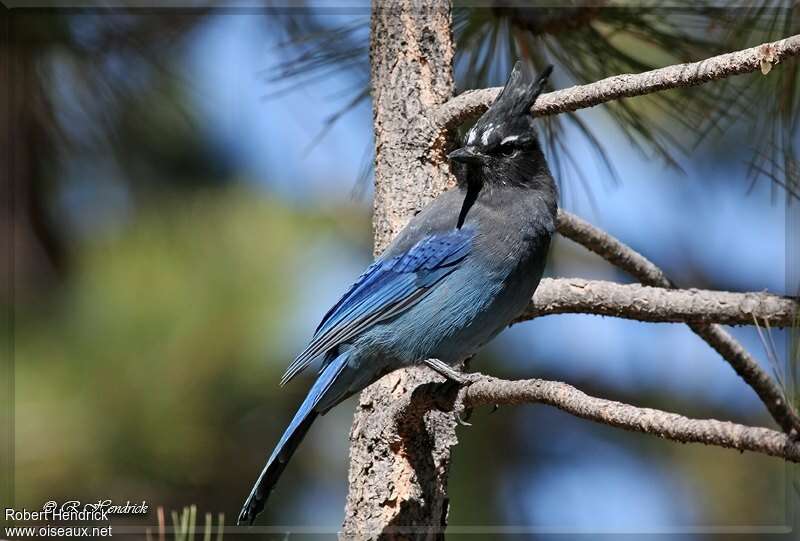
<point>502,147</point>
<point>506,131</point>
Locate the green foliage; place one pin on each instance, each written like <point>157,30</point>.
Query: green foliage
<point>169,332</point>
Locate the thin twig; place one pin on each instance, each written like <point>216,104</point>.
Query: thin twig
<point>485,390</point>
<point>657,304</point>
<point>647,273</point>
<point>474,102</point>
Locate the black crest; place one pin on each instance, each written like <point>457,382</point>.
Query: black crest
<point>502,146</point>
<point>510,113</point>
<point>520,91</point>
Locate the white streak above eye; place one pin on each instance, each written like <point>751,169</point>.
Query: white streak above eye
<point>509,139</point>
<point>471,137</point>
<point>486,134</point>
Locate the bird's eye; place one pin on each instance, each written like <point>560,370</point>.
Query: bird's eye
<point>507,149</point>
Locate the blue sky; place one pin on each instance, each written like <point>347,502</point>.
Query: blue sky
<point>273,136</point>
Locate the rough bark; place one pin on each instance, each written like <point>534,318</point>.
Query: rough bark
<point>762,57</point>
<point>657,304</point>
<point>644,270</point>
<point>399,462</point>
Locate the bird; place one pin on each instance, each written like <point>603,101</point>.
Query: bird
<point>460,272</point>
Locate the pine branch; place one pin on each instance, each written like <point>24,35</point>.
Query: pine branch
<point>762,57</point>
<point>657,304</point>
<point>485,390</point>
<point>638,266</point>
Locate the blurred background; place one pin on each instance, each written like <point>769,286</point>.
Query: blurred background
<point>190,191</point>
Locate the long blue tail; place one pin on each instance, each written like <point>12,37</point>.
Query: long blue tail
<point>291,438</point>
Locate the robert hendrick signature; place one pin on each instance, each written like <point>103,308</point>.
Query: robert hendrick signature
<point>75,510</point>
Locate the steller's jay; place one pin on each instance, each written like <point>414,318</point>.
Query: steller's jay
<point>460,272</point>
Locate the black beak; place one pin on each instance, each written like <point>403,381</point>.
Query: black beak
<point>465,155</point>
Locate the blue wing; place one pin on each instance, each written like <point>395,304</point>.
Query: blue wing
<point>387,288</point>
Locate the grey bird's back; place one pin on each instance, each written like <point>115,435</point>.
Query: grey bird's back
<point>489,288</point>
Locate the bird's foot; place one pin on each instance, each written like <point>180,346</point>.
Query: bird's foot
<point>463,417</point>
<point>448,398</point>
<point>456,380</point>
<point>447,371</point>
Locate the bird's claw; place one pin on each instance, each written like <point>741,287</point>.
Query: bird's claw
<point>445,370</point>
<point>455,380</point>
<point>462,417</point>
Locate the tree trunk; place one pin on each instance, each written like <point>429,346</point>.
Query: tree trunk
<point>399,446</point>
